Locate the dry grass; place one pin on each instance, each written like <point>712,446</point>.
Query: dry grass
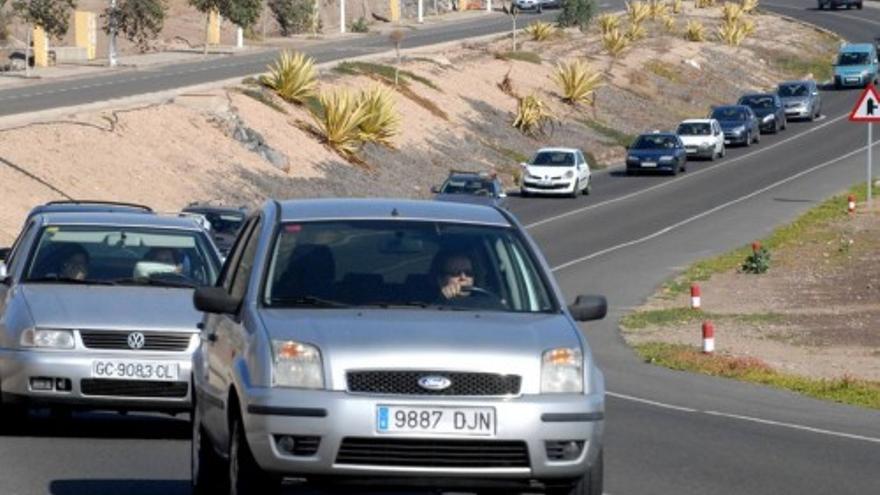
<point>677,6</point>
<point>731,33</point>
<point>731,12</point>
<point>636,32</point>
<point>695,31</point>
<point>658,9</point>
<point>637,11</point>
<point>749,6</point>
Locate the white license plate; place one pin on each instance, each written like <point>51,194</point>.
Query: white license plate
<point>727,141</point>
<point>649,164</point>
<point>465,421</point>
<point>135,370</point>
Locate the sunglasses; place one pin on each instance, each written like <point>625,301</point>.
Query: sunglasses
<point>467,272</point>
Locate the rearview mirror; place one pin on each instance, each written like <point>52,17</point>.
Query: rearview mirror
<point>589,308</point>
<point>215,300</point>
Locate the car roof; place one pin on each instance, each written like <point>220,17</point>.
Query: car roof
<point>797,81</point>
<point>664,134</point>
<point>213,209</point>
<point>747,95</point>
<point>390,209</point>
<point>738,107</point>
<point>856,47</point>
<point>88,206</point>
<point>120,219</point>
<point>558,150</point>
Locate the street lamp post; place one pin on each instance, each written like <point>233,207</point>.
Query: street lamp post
<point>111,51</point>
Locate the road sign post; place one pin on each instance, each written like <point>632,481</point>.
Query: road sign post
<point>867,110</point>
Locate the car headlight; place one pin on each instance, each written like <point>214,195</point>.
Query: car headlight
<point>632,159</point>
<point>569,174</point>
<point>739,129</point>
<point>562,371</point>
<point>44,338</point>
<point>297,365</point>
<point>768,118</point>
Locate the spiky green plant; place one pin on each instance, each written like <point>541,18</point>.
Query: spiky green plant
<point>658,9</point>
<point>731,33</point>
<point>615,42</point>
<point>577,82</point>
<point>695,31</point>
<point>731,12</point>
<point>339,121</point>
<point>637,11</point>
<point>608,22</point>
<point>636,31</point>
<point>677,6</point>
<point>749,6</point>
<point>381,120</point>
<point>540,30</point>
<point>532,116</point>
<point>292,77</point>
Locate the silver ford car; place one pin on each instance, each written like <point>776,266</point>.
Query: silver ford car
<point>96,311</point>
<point>393,342</point>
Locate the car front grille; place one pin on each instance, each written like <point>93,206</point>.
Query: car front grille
<point>433,453</point>
<point>407,383</point>
<point>548,186</point>
<point>153,341</point>
<point>133,388</point>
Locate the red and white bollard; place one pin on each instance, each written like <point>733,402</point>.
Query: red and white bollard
<point>708,337</point>
<point>695,296</point>
<point>851,204</point>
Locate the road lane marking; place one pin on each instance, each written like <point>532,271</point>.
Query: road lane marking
<point>651,402</point>
<point>685,176</point>
<point>708,212</point>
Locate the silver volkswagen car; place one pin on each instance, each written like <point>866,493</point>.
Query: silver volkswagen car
<point>96,311</point>
<point>394,342</point>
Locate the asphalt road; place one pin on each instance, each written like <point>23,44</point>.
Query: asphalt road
<point>667,432</point>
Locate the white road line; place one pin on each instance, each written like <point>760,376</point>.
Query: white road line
<point>769,422</point>
<point>684,177</point>
<point>708,212</point>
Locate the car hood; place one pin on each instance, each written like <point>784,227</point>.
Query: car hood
<point>731,124</point>
<point>111,307</point>
<point>430,340</point>
<point>542,171</point>
<point>851,70</point>
<point>696,140</point>
<point>467,198</point>
<point>763,112</point>
<point>798,100</point>
<point>651,153</point>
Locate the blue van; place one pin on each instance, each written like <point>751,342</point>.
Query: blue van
<point>856,65</point>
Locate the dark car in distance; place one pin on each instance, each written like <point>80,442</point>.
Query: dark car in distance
<point>472,187</point>
<point>768,108</point>
<point>225,222</point>
<point>656,152</point>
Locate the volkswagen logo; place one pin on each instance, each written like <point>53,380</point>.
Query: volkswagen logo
<point>434,382</point>
<point>136,340</point>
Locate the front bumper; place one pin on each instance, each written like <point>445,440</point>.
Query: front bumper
<point>553,187</point>
<point>335,416</point>
<point>18,367</point>
<point>731,138</point>
<point>657,167</point>
<point>798,112</point>
<point>845,81</point>
<point>700,152</point>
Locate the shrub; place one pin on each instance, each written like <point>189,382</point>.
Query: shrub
<point>608,22</point>
<point>677,6</point>
<point>748,27</point>
<point>669,24</point>
<point>658,9</point>
<point>749,6</point>
<point>615,42</point>
<point>637,11</point>
<point>576,13</point>
<point>292,77</point>
<point>360,25</point>
<point>731,12</point>
<point>694,31</point>
<point>704,4</point>
<point>294,16</point>
<point>731,33</point>
<point>758,261</point>
<point>339,121</point>
<point>381,121</point>
<point>540,31</point>
<point>635,32</point>
<point>532,116</point>
<point>577,82</point>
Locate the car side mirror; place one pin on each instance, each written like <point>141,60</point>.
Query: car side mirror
<point>4,275</point>
<point>4,253</point>
<point>502,194</point>
<point>589,308</point>
<point>435,189</point>
<point>215,300</point>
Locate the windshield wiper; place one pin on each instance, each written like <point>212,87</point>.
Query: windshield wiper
<point>398,304</point>
<point>155,282</point>
<point>306,301</point>
<point>68,280</point>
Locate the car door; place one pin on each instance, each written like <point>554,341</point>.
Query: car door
<point>583,168</point>
<point>816,97</point>
<point>218,335</point>
<point>718,136</point>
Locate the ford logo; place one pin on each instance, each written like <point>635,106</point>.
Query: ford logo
<point>434,382</point>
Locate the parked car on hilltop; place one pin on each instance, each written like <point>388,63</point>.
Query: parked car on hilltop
<point>739,123</point>
<point>396,342</point>
<point>702,138</point>
<point>556,171</point>
<point>656,152</point>
<point>801,99</point>
<point>769,110</point>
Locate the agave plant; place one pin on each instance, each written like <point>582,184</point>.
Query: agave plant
<point>658,9</point>
<point>677,6</point>
<point>339,121</point>
<point>532,116</point>
<point>637,11</point>
<point>381,121</point>
<point>608,22</point>
<point>577,82</point>
<point>749,6</point>
<point>748,27</point>
<point>731,33</point>
<point>636,32</point>
<point>669,24</point>
<point>540,31</point>
<point>292,77</point>
<point>694,31</point>
<point>615,42</point>
<point>731,12</point>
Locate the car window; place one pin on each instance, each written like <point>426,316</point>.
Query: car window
<point>655,142</point>
<point>758,101</point>
<point>122,255</point>
<point>729,114</point>
<point>853,58</point>
<point>553,159</point>
<point>694,129</point>
<point>403,263</point>
<point>246,263</point>
<point>228,273</point>
<point>16,245</point>
<point>793,90</point>
<point>479,187</point>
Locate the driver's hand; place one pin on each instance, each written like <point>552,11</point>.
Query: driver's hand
<point>451,289</point>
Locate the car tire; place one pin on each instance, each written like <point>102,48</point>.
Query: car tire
<point>523,193</point>
<point>748,139</point>
<point>714,155</point>
<point>589,188</point>
<point>591,483</point>
<point>859,5</point>
<point>12,417</point>
<point>784,123</point>
<point>206,466</point>
<point>245,475</point>
<point>757,137</point>
<point>576,190</point>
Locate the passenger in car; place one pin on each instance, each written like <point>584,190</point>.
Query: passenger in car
<point>75,264</point>
<point>166,256</point>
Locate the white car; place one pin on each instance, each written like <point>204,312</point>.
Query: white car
<point>556,171</point>
<point>702,138</point>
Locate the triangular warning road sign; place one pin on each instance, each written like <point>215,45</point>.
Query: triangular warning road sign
<point>868,107</point>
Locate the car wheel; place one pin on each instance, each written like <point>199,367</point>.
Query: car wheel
<point>12,416</point>
<point>523,193</point>
<point>591,483</point>
<point>748,139</point>
<point>714,155</point>
<point>576,189</point>
<point>589,188</point>
<point>859,5</point>
<point>206,466</point>
<point>757,137</point>
<point>245,475</point>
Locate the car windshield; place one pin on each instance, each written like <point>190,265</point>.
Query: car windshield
<point>729,114</point>
<point>760,102</point>
<point>467,186</point>
<point>654,142</point>
<point>122,255</point>
<point>694,129</point>
<point>222,223</point>
<point>554,159</point>
<point>409,264</point>
<point>853,58</point>
<point>793,90</point>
